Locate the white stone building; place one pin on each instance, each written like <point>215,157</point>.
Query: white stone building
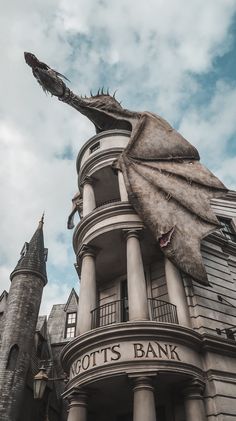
<point>151,343</point>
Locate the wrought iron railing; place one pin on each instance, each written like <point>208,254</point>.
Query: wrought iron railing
<point>117,311</point>
<point>107,314</point>
<point>162,311</point>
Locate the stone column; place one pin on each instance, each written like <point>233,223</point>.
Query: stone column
<point>87,294</point>
<point>89,203</point>
<point>176,293</point>
<point>122,187</point>
<point>193,401</point>
<point>137,291</point>
<point>144,402</point>
<point>78,407</point>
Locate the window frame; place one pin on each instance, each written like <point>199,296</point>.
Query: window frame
<point>228,229</point>
<point>94,147</point>
<point>70,325</point>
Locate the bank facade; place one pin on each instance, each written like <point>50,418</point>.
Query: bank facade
<point>151,343</point>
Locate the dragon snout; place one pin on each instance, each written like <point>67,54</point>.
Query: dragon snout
<point>30,59</point>
<point>49,81</point>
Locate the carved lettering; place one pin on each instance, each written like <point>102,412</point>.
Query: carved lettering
<point>117,353</point>
<point>138,350</point>
<point>93,355</point>
<point>162,351</point>
<point>104,350</point>
<point>75,369</point>
<point>173,352</point>
<point>73,372</point>
<point>150,349</point>
<point>85,362</point>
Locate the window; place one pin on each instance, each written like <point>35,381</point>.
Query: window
<point>12,358</point>
<point>24,249</point>
<point>70,332</point>
<point>70,325</point>
<point>227,229</point>
<point>94,147</point>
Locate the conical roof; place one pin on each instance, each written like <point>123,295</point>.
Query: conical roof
<point>33,255</point>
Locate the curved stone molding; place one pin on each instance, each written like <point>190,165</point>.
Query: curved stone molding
<point>110,139</point>
<point>132,347</point>
<point>96,162</point>
<point>118,215</point>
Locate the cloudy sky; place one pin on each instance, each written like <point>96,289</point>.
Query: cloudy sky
<point>176,58</point>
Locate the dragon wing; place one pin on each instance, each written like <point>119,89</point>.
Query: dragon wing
<point>171,191</point>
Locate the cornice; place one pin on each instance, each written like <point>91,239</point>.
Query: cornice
<point>143,330</point>
<point>133,369</point>
<point>130,330</point>
<point>101,214</point>
<point>230,196</point>
<point>28,272</point>
<point>98,137</point>
<point>228,247</point>
<point>101,157</point>
<point>216,344</point>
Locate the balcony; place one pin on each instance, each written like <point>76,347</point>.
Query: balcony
<point>162,311</point>
<point>118,312</point>
<point>107,314</point>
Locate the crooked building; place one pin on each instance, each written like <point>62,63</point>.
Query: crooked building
<point>146,342</point>
<point>151,344</point>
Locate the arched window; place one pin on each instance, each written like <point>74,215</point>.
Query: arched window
<point>12,357</point>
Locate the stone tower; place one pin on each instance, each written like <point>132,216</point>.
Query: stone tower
<point>151,342</point>
<point>27,282</point>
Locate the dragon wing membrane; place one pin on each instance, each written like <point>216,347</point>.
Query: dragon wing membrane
<point>171,191</point>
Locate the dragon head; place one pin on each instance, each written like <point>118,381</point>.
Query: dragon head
<point>31,60</point>
<point>105,112</point>
<point>48,78</point>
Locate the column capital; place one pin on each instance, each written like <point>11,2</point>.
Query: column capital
<point>78,398</point>
<point>132,232</point>
<point>87,250</point>
<point>87,180</point>
<point>79,205</point>
<point>193,389</point>
<point>142,383</point>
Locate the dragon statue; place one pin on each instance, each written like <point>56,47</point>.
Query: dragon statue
<point>166,184</point>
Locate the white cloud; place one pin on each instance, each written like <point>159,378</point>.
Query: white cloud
<point>54,293</point>
<point>212,128</point>
<point>226,171</point>
<point>4,277</point>
<point>151,51</point>
<point>158,45</point>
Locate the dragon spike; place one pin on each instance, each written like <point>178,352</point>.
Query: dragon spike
<point>102,91</point>
<point>91,92</point>
<point>108,91</point>
<point>98,93</point>
<point>114,95</point>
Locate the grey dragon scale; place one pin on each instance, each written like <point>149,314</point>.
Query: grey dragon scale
<point>166,184</point>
